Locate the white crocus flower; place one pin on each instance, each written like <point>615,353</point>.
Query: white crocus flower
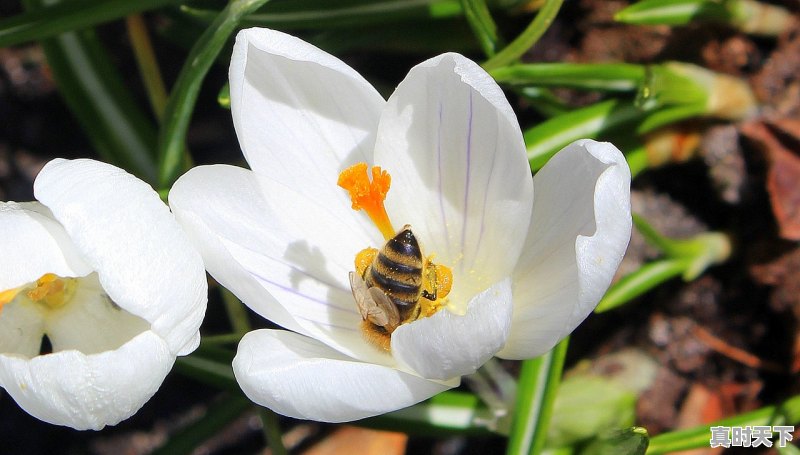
<point>102,269</point>
<point>283,237</point>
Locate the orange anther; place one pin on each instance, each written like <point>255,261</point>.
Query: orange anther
<point>369,195</point>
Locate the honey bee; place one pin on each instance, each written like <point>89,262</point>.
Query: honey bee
<point>389,285</point>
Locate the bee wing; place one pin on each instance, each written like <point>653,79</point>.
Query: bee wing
<point>388,316</point>
<point>373,304</point>
<point>360,293</point>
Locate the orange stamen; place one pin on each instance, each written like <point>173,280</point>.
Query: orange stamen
<point>369,195</point>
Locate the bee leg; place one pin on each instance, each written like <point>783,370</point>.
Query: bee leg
<point>430,272</point>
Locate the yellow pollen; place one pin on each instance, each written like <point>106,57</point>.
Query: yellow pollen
<point>52,290</point>
<point>8,296</point>
<point>369,195</point>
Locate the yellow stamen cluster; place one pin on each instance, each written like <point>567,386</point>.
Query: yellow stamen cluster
<point>369,195</point>
<point>49,289</point>
<point>7,296</point>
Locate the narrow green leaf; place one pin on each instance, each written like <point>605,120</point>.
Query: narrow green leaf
<point>313,15</point>
<point>630,441</point>
<point>147,62</point>
<point>611,77</point>
<point>215,419</point>
<point>270,422</point>
<point>673,12</point>
<point>543,101</point>
<point>207,371</point>
<point>652,236</point>
<point>749,16</point>
<point>668,115</point>
<point>536,393</point>
<point>119,130</point>
<point>637,160</point>
<point>482,25</point>
<point>547,138</point>
<point>786,413</point>
<point>641,281</point>
<point>527,38</point>
<point>178,114</point>
<point>72,15</point>
<point>451,412</point>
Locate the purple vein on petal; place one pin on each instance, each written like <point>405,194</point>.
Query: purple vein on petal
<point>303,296</point>
<point>335,326</point>
<point>440,171</point>
<point>467,176</point>
<point>485,200</point>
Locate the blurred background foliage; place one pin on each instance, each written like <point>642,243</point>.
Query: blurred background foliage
<point>703,97</point>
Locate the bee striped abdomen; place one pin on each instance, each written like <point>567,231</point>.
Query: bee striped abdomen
<point>397,270</point>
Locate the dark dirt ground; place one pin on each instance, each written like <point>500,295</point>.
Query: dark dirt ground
<point>725,343</point>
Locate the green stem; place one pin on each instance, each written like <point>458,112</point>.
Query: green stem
<point>178,113</point>
<point>241,325</point>
<point>217,340</point>
<point>272,430</point>
<point>612,77</point>
<point>237,314</point>
<point>451,412</point>
<point>527,38</point>
<point>641,281</point>
<point>536,393</point>
<point>482,24</point>
<point>148,64</point>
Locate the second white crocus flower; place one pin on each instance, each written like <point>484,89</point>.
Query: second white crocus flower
<point>98,266</point>
<point>284,238</point>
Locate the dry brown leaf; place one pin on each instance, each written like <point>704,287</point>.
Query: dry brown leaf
<point>778,140</point>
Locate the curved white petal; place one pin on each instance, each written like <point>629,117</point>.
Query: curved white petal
<point>299,377</point>
<point>301,114</point>
<point>459,173</point>
<point>285,255</point>
<point>124,231</point>
<point>32,244</point>
<point>580,229</point>
<point>90,322</point>
<point>448,345</point>
<point>88,391</point>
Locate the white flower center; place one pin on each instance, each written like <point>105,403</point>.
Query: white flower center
<point>74,313</point>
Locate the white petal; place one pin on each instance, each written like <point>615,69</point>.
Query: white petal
<point>88,391</point>
<point>459,173</point>
<point>579,232</point>
<point>301,115</point>
<point>91,322</point>
<point>33,243</point>
<point>299,377</point>
<point>447,345</point>
<point>124,231</point>
<point>21,328</point>
<point>285,255</point>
